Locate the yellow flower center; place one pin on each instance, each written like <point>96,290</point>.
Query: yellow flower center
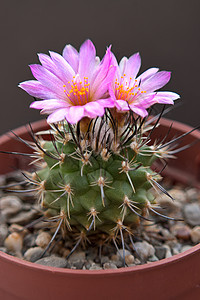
<point>77,91</point>
<point>126,89</point>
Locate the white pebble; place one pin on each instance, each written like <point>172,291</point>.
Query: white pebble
<point>43,239</point>
<point>195,234</point>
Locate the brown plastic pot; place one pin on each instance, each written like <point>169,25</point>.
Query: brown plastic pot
<point>177,277</point>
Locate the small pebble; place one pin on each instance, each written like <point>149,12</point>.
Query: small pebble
<point>29,240</point>
<point>43,239</point>
<point>52,261</point>
<point>10,205</point>
<point>192,214</point>
<point>23,218</point>
<point>33,254</point>
<point>109,265</point>
<point>3,233</point>
<point>185,248</point>
<point>14,242</point>
<point>195,234</point>
<point>192,194</point>
<point>160,252</point>
<point>181,231</point>
<point>129,259</point>
<point>120,253</point>
<point>168,251</point>
<point>77,256</point>
<point>153,258</point>
<point>95,267</point>
<point>144,249</point>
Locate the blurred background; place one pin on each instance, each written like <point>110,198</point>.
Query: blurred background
<point>166,33</point>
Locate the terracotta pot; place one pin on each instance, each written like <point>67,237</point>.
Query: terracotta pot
<point>177,277</point>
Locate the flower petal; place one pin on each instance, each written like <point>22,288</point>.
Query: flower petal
<point>65,69</point>
<point>71,55</point>
<point>48,79</point>
<point>58,115</point>
<point>156,81</point>
<point>94,109</point>
<point>50,105</point>
<point>132,66</point>
<point>36,89</point>
<point>75,114</point>
<point>103,86</point>
<point>122,105</point>
<point>87,59</point>
<point>122,64</point>
<point>166,97</point>
<point>141,111</point>
<point>147,74</point>
<point>108,102</point>
<point>48,64</point>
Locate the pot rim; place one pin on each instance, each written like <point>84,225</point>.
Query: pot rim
<point>100,273</point>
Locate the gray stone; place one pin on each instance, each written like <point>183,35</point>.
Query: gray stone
<point>78,264</point>
<point>52,261</point>
<point>3,233</point>
<point>29,240</point>
<point>23,217</point>
<point>109,265</point>
<point>77,256</point>
<point>10,205</point>
<point>160,252</point>
<point>95,267</point>
<point>153,258</point>
<point>192,214</point>
<point>33,254</point>
<point>144,250</point>
<point>185,248</point>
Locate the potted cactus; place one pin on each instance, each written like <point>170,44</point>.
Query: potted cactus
<point>95,173</point>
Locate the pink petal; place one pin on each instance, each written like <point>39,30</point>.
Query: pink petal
<point>122,105</point>
<point>132,66</point>
<point>141,111</point>
<point>94,109</point>
<point>48,64</point>
<point>71,55</point>
<point>166,97</point>
<point>87,60</point>
<point>65,69</point>
<point>122,64</point>
<point>108,102</point>
<point>49,80</point>
<point>58,115</point>
<point>147,74</point>
<point>49,106</point>
<point>156,81</point>
<point>36,89</point>
<point>75,114</point>
<point>103,86</point>
<point>102,70</point>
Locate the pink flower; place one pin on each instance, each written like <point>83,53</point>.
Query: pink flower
<point>73,85</point>
<point>138,94</point>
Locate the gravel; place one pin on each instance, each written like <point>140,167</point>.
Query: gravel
<point>151,242</point>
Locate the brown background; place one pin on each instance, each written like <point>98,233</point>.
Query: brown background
<point>166,33</point>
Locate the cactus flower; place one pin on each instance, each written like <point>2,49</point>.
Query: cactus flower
<point>73,85</point>
<point>138,93</point>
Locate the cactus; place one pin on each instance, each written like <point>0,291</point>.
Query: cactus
<point>93,173</point>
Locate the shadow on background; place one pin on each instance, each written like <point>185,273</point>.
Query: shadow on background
<point>166,33</point>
